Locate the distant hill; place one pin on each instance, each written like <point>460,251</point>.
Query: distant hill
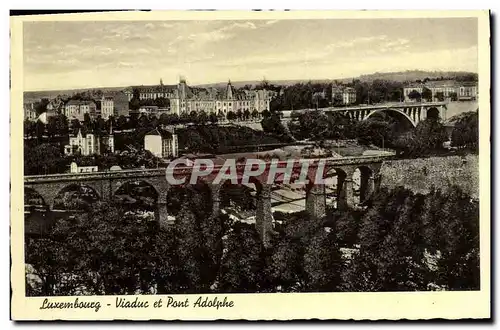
<point>37,95</point>
<point>412,75</point>
<point>402,76</point>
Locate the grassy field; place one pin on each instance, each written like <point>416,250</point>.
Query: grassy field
<point>421,174</point>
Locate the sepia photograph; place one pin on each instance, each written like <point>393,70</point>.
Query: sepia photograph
<point>205,159</point>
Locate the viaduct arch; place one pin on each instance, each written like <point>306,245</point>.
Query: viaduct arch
<point>106,184</point>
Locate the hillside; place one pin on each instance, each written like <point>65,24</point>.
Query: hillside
<point>410,75</point>
<point>37,95</point>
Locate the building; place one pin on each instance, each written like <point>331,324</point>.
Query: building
<point>161,143</point>
<point>29,111</point>
<point>444,90</point>
<point>467,91</point>
<point>151,92</point>
<point>107,107</point>
<point>218,101</point>
<point>153,110</point>
<point>342,95</point>
<point>88,143</point>
<point>74,168</point>
<point>76,109</point>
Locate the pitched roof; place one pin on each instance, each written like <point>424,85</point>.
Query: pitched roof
<point>161,132</point>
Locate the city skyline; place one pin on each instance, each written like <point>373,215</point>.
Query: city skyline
<point>72,55</point>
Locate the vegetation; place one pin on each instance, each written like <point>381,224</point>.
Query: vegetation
<point>401,242</point>
<point>465,132</point>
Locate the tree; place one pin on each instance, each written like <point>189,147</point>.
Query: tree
<point>103,252</point>
<point>121,123</point>
<point>440,96</point>
<point>466,131</point>
<point>246,114</point>
<point>231,115</point>
<point>75,123</point>
<point>213,118</point>
<point>135,102</point>
<point>266,114</point>
<point>239,114</point>
<point>453,96</point>
<point>426,94</point>
<point>202,117</point>
<point>40,130</point>
<point>29,128</point>
<point>243,263</point>
<point>255,114</point>
<point>273,125</point>
<point>57,125</point>
<point>322,263</point>
<point>415,95</point>
<point>188,248</point>
<point>193,117</point>
<point>41,107</point>
<point>184,118</point>
<point>100,125</point>
<point>42,159</point>
<point>87,121</point>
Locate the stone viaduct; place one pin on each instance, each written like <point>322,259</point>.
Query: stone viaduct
<point>106,184</point>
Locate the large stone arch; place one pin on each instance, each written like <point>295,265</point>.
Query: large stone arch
<point>414,124</point>
<point>132,184</point>
<point>32,193</point>
<point>79,185</point>
<point>433,112</point>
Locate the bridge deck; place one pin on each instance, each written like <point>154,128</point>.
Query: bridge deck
<point>145,173</point>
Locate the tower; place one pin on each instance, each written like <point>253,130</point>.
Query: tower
<point>161,82</point>
<point>229,91</point>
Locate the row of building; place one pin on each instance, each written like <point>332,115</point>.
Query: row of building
<point>115,104</point>
<point>220,101</point>
<point>182,99</point>
<point>160,142</point>
<point>447,89</point>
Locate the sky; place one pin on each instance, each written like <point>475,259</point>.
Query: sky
<point>67,55</point>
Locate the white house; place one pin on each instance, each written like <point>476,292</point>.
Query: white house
<point>161,143</point>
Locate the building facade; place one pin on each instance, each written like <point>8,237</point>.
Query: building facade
<point>342,95</point>
<point>151,92</point>
<point>29,111</point>
<point>161,143</point>
<point>444,90</point>
<point>87,143</point>
<point>74,168</point>
<point>220,101</point>
<point>76,109</point>
<point>107,107</point>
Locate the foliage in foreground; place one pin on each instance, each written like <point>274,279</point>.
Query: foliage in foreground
<point>401,242</point>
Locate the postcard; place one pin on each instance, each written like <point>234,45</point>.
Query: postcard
<point>250,165</point>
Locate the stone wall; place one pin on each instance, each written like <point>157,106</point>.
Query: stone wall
<point>421,174</point>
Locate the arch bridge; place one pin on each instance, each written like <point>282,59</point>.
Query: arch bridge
<point>106,185</point>
<point>414,112</point>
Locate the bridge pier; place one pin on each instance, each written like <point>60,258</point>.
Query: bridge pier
<point>264,216</point>
<point>345,196</point>
<point>316,201</point>
<point>161,215</point>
